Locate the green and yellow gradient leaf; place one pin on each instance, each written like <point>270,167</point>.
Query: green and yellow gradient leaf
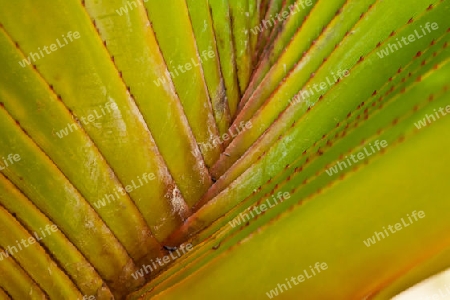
<point>124,133</point>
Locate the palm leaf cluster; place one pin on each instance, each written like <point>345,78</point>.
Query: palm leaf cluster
<point>138,129</point>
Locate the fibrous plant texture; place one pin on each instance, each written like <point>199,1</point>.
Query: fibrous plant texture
<point>223,149</point>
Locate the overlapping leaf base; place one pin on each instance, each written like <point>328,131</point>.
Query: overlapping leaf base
<point>143,127</point>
